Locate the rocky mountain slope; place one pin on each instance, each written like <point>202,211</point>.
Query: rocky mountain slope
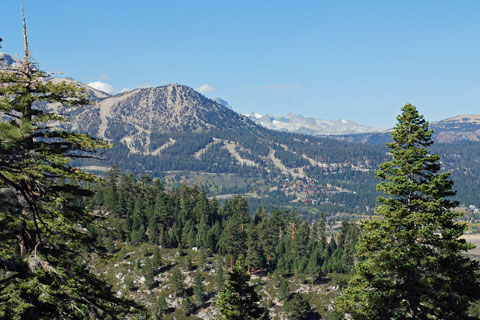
<point>175,133</point>
<point>137,118</point>
<point>460,128</point>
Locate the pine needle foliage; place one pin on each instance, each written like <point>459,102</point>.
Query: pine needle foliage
<point>239,300</point>
<point>411,262</point>
<point>42,222</point>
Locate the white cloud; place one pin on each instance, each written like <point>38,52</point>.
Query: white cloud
<point>205,88</point>
<point>281,87</point>
<point>102,86</point>
<point>103,77</point>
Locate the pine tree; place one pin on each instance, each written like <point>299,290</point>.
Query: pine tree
<point>233,238</point>
<point>219,276</point>
<point>299,248</point>
<point>149,274</point>
<point>129,282</point>
<point>177,282</point>
<point>283,290</point>
<point>255,258</point>
<point>272,230</point>
<point>319,232</point>
<point>198,288</point>
<point>160,309</point>
<point>189,264</point>
<point>41,221</point>
<point>157,258</point>
<point>239,301</point>
<point>187,306</point>
<point>411,262</point>
<point>314,266</point>
<point>298,307</point>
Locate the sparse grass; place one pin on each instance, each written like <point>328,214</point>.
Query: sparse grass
<point>127,262</point>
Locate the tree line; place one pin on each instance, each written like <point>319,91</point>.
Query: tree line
<point>144,211</point>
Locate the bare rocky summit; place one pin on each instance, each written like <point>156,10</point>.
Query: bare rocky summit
<point>460,128</point>
<point>135,118</point>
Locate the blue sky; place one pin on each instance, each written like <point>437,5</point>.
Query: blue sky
<point>356,60</point>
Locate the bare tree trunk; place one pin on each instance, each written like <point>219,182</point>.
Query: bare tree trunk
<point>26,52</point>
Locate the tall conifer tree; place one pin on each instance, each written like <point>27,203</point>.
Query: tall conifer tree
<point>42,228</point>
<point>411,263</point>
<point>239,301</point>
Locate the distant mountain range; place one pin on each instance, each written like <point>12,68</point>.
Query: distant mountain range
<point>177,134</point>
<point>451,130</point>
<point>456,129</point>
<point>304,125</point>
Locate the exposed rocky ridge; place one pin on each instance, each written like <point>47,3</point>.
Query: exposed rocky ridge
<point>135,118</point>
<point>460,128</point>
<point>7,60</point>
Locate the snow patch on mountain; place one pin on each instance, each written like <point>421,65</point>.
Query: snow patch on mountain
<point>311,126</point>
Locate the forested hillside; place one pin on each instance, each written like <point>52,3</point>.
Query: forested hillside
<point>277,247</point>
<point>178,135</point>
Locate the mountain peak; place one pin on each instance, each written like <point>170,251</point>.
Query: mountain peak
<point>468,118</point>
<point>146,113</point>
<point>177,86</point>
<point>7,60</point>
